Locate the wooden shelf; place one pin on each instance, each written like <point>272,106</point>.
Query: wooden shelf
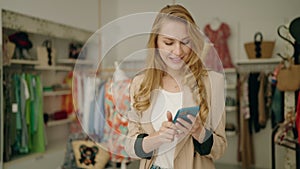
<point>24,62</point>
<point>55,68</point>
<point>26,23</point>
<point>57,93</point>
<point>229,70</point>
<point>230,87</point>
<point>59,122</point>
<point>258,61</point>
<point>231,133</point>
<point>74,61</point>
<point>257,65</point>
<point>230,108</point>
<point>56,132</point>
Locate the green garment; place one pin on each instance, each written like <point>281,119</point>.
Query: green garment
<point>38,139</point>
<point>29,109</point>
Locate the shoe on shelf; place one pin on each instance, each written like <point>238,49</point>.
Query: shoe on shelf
<point>230,129</point>
<point>230,101</point>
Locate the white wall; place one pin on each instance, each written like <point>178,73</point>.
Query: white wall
<point>78,13</point>
<point>244,18</point>
<point>111,11</point>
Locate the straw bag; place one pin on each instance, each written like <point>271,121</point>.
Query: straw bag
<point>89,154</point>
<point>288,78</point>
<point>259,48</point>
<point>46,54</point>
<point>8,51</point>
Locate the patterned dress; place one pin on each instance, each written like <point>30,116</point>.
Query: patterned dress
<point>219,39</point>
<point>117,102</point>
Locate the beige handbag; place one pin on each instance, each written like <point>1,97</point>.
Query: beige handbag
<point>42,56</point>
<point>89,154</point>
<point>8,51</point>
<point>288,78</point>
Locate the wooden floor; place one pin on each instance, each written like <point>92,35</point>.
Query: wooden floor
<point>135,165</point>
<point>227,166</point>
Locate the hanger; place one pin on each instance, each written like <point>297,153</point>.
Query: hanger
<point>215,23</point>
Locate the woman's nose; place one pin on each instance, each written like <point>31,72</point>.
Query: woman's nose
<point>177,49</point>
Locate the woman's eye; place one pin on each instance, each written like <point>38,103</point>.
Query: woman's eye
<point>185,42</point>
<point>169,43</point>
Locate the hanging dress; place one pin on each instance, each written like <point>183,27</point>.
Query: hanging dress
<point>219,39</point>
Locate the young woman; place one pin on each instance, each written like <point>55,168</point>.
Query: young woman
<point>176,77</point>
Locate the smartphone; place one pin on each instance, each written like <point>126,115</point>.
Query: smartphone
<point>183,112</point>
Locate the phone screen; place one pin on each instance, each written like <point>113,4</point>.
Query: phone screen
<point>183,112</point>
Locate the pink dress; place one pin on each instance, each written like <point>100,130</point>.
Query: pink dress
<point>219,39</point>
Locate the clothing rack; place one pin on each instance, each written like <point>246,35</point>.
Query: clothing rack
<point>289,106</point>
<point>268,65</point>
<point>296,148</point>
<point>107,74</point>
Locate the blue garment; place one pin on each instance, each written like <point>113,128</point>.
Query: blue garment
<point>277,107</point>
<point>100,112</point>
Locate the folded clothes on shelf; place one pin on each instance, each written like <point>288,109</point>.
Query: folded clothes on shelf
<point>230,101</point>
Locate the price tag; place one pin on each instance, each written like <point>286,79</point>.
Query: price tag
<point>14,107</point>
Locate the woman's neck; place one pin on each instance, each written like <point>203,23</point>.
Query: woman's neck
<point>172,81</point>
<point>175,74</point>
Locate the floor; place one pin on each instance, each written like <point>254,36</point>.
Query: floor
<point>226,166</point>
<point>135,165</point>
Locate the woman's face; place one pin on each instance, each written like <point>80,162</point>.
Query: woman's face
<point>174,44</point>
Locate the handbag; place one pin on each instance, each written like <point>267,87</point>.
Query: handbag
<point>89,154</point>
<point>259,48</point>
<point>46,54</point>
<point>43,56</point>
<point>288,78</point>
<point>8,51</point>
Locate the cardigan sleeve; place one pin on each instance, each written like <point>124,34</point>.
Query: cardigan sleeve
<point>219,140</point>
<point>215,142</point>
<point>205,147</point>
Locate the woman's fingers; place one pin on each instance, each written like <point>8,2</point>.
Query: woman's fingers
<point>168,124</point>
<point>169,116</point>
<point>187,127</point>
<point>168,135</point>
<point>168,131</point>
<point>192,118</point>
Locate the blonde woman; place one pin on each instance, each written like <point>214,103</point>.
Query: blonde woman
<point>176,77</point>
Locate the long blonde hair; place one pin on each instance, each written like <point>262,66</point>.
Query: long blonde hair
<point>194,71</point>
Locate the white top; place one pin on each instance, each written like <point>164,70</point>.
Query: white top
<point>166,101</point>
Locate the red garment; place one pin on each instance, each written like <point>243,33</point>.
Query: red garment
<point>298,118</point>
<point>219,39</point>
<point>67,101</point>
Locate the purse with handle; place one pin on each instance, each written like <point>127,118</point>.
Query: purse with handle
<point>259,48</point>
<point>288,78</point>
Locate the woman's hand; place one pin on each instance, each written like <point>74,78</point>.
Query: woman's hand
<point>194,128</point>
<point>168,130</point>
<point>165,134</point>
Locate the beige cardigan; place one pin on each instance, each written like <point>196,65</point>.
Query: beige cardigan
<point>185,155</point>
